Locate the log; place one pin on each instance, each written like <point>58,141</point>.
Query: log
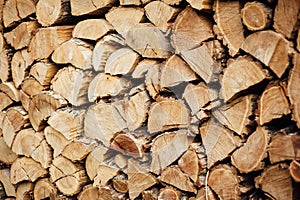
<point>186,37</point>
<point>67,176</point>
<point>276,182</point>
<point>205,193</point>
<point>5,101</point>
<point>50,12</point>
<point>104,174</point>
<point>167,114</point>
<point>298,41</point>
<point>171,2</point>
<point>201,5</point>
<point>256,16</point>
<point>4,63</point>
<point>11,91</point>
<point>142,67</point>
<point>175,177</point>
<point>75,52</point>
<point>16,10</point>
<point>77,150</point>
<point>92,7</point>
<point>167,148</point>
<point>24,191</point>
<point>229,25</point>
<point>189,164</point>
<point>295,170</point>
<point>131,2</point>
<point>31,87</point>
<point>284,147</point>
<point>286,16</point>
<point>92,29</point>
<point>168,193</point>
<point>26,169</point>
<point>20,36</point>
<point>89,192</point>
<point>43,188</point>
<point>44,72</point>
<point>274,52</point>
<point>10,189</point>
<point>25,100</point>
<point>273,105</point>
<point>239,70</point>
<point>152,79</point>
<point>72,84</point>
<point>160,14</point>
<point>120,184</point>
<point>7,156</point>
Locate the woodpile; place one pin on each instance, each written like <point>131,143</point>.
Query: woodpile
<point>149,99</point>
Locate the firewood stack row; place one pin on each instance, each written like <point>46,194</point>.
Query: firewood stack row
<point>141,99</point>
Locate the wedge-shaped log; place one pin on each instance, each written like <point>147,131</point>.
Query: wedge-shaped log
<point>93,7</point>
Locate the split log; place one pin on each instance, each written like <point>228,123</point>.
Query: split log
<point>229,24</point>
<point>25,100</point>
<point>5,101</point>
<point>90,192</point>
<point>295,170</point>
<point>26,169</point>
<point>52,36</point>
<point>16,10</point>
<point>276,181</point>
<point>104,174</point>
<point>240,75</point>
<point>286,17</point>
<point>201,62</point>
<point>151,194</point>
<point>249,157</point>
<point>114,86</point>
<point>160,14</point>
<point>42,106</point>
<point>11,91</point>
<point>103,128</point>
<point>43,188</point>
<point>24,191</point>
<point>132,17</point>
<point>236,115</point>
<point>4,62</point>
<point>171,2</point>
<point>77,150</point>
<point>293,89</point>
<point>31,87</point>
<point>273,105</point>
<point>148,41</point>
<point>167,114</point>
<point>153,79</point>
<point>92,29</point>
<point>131,2</point>
<point>176,71</point>
<point>20,36</point>
<point>92,7</point>
<point>49,12</point>
<point>284,147</point>
<point>201,5</point>
<point>224,182</point>
<point>167,148</point>
<point>121,62</point>
<point>256,16</point>
<point>175,177</point>
<point>273,52</point>
<point>189,164</point>
<point>10,189</point>
<point>142,68</point>
<point>298,41</point>
<point>7,156</point>
<point>75,52</point>
<point>218,142</point>
<point>43,72</point>
<point>67,176</point>
<point>205,193</point>
<point>138,179</point>
<point>120,184</point>
<point>186,37</point>
<point>168,193</point>
<point>72,84</point>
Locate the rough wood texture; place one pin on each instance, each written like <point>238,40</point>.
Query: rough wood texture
<point>89,7</point>
<point>44,189</point>
<point>201,4</point>
<point>7,155</point>
<point>189,164</point>
<point>295,170</point>
<point>10,190</point>
<point>43,72</point>
<point>24,191</point>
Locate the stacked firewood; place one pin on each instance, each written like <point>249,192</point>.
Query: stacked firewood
<point>141,99</point>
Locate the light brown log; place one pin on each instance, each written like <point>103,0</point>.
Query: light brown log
<point>42,106</point>
<point>152,79</point>
<point>189,164</point>
<point>298,41</point>
<point>16,10</point>
<point>201,4</point>
<point>223,181</point>
<point>248,157</point>
<point>25,99</point>
<point>1,13</point>
<point>67,176</point>
<point>286,16</point>
<point>168,193</point>
<point>7,156</point>
<point>43,188</point>
<point>43,72</point>
<point>90,192</point>
<point>205,193</point>
<point>151,194</point>
<point>20,36</point>
<point>79,7</point>
<point>130,2</point>
<point>32,87</point>
<point>167,148</point>
<point>229,24</point>
<point>273,52</point>
<point>201,62</point>
<point>49,12</point>
<point>175,177</point>
<point>236,115</point>
<point>138,178</point>
<point>120,184</point>
<point>10,189</point>
<point>176,71</point>
<point>24,191</point>
<point>4,63</point>
<point>256,16</point>
<point>26,169</point>
<point>92,29</point>
<point>273,105</point>
<point>72,84</point>
<point>131,17</point>
<point>295,170</point>
<point>142,68</point>
<point>167,114</point>
<point>5,101</point>
<point>121,161</point>
<point>104,174</point>
<point>171,2</point>
<point>11,91</point>
<point>121,62</point>
<point>284,147</point>
<point>148,41</point>
<point>276,181</point>
<point>160,14</point>
<point>52,36</point>
<point>114,86</point>
<point>218,142</point>
<point>184,36</point>
<point>77,150</point>
<point>293,89</point>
